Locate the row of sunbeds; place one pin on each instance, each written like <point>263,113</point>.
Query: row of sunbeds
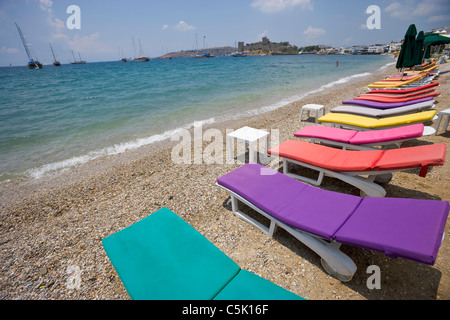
<point>163,257</point>
<point>322,219</point>
<point>385,108</point>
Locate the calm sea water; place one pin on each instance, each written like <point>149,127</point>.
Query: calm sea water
<point>57,117</point>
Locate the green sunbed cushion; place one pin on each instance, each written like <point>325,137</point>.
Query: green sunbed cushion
<point>163,257</point>
<point>249,286</point>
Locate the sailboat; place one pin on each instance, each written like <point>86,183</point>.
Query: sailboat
<point>122,55</point>
<point>201,55</point>
<point>56,63</point>
<point>79,61</point>
<point>32,63</point>
<point>141,53</point>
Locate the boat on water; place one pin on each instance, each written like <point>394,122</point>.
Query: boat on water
<point>56,63</point>
<point>239,54</point>
<point>122,55</point>
<point>141,57</point>
<point>32,63</point>
<point>195,49</point>
<point>77,61</point>
<point>204,55</point>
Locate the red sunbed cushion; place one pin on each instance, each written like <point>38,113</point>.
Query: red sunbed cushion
<point>396,96</point>
<point>402,91</point>
<point>327,158</point>
<point>414,157</point>
<point>390,100</point>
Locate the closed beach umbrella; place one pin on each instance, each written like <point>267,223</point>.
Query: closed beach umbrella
<point>419,48</point>
<point>406,56</point>
<point>427,52</point>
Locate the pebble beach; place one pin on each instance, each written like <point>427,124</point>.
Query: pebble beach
<point>52,227</point>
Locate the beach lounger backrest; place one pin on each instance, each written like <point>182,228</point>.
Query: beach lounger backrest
<point>384,135</point>
<point>374,123</point>
<point>385,105</point>
<point>380,113</point>
<point>404,91</point>
<point>362,137</point>
<point>378,98</point>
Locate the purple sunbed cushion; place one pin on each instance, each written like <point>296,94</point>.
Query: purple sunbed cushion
<point>336,134</point>
<point>301,206</point>
<point>385,105</point>
<point>407,228</point>
<point>377,136</point>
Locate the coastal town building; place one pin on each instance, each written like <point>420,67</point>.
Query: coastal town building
<point>265,46</point>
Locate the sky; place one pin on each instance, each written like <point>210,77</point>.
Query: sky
<point>100,30</point>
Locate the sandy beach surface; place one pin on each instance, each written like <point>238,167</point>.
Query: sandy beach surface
<point>52,228</point>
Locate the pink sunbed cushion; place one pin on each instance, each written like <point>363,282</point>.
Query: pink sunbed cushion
<point>329,133</point>
<point>394,134</point>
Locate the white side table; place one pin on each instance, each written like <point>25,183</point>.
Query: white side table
<point>441,114</point>
<point>317,108</point>
<point>247,135</point>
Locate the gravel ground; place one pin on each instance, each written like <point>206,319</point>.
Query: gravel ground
<point>51,228</point>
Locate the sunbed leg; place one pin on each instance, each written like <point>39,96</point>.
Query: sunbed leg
<point>316,182</point>
<point>234,203</point>
<point>334,261</point>
<point>338,264</point>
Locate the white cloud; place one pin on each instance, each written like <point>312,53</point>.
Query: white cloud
<point>8,50</point>
<point>183,26</point>
<point>261,35</point>
<point>312,32</point>
<point>270,6</point>
<point>165,27</point>
<point>407,9</point>
<point>439,18</point>
<point>46,4</point>
<point>89,44</point>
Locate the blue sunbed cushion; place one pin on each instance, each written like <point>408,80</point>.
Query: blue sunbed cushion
<point>163,258</point>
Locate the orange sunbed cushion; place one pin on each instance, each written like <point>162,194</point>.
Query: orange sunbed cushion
<point>414,157</point>
<point>327,158</point>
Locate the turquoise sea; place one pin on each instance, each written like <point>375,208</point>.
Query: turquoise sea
<point>57,117</point>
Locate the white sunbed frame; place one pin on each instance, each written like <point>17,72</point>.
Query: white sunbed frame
<point>367,186</point>
<point>370,146</point>
<point>429,130</point>
<point>334,261</point>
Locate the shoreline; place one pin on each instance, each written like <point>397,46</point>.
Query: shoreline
<point>78,163</point>
<point>56,224</point>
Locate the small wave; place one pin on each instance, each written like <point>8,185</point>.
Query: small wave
<point>60,166</point>
<point>295,98</point>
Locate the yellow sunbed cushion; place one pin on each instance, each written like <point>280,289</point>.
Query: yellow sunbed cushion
<point>374,123</point>
<point>392,84</point>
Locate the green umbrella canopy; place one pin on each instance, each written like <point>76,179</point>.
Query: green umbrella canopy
<point>406,56</point>
<point>418,55</point>
<point>435,39</point>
